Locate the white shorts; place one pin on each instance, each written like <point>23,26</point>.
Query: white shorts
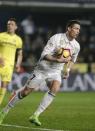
<point>38,77</point>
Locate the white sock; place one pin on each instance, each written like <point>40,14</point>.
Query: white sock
<point>46,101</point>
<point>15,98</point>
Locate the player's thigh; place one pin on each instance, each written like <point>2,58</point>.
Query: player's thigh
<point>54,81</point>
<point>6,73</point>
<point>35,80</point>
<point>55,87</point>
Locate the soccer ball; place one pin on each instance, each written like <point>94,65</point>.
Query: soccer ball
<point>65,52</point>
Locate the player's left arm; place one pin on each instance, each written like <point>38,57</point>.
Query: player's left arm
<point>19,46</point>
<point>19,60</point>
<point>70,64</point>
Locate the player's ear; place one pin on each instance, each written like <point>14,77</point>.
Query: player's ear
<point>16,27</point>
<point>69,28</point>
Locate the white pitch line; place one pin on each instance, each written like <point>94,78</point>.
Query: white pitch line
<point>25,127</point>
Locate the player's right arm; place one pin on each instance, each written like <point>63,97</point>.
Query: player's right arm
<point>1,62</point>
<point>56,59</point>
<point>19,60</point>
<point>19,54</point>
<point>1,59</point>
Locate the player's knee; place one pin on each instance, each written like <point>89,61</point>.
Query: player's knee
<point>55,87</point>
<point>55,90</point>
<point>23,93</point>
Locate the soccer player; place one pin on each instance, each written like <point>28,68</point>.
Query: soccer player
<point>49,69</point>
<point>9,43</point>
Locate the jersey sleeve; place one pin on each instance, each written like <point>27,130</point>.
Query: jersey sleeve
<point>19,43</point>
<point>75,55</point>
<point>50,47</point>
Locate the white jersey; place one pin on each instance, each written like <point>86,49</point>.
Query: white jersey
<point>54,43</point>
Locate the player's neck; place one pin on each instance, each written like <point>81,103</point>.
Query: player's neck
<point>69,37</point>
<point>11,33</point>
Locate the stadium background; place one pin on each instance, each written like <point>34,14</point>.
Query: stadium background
<point>74,107</point>
<point>38,20</point>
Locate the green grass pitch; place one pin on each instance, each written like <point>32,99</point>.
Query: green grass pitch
<point>73,111</point>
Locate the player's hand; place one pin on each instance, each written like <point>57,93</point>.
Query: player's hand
<point>63,60</point>
<point>2,62</point>
<point>66,74</point>
<point>18,68</point>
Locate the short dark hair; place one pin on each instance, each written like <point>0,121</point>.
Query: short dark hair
<point>13,19</point>
<point>70,23</point>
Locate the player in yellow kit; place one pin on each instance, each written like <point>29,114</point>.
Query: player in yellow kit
<point>9,43</point>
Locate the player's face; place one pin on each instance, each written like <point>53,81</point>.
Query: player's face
<point>11,26</point>
<point>74,31</point>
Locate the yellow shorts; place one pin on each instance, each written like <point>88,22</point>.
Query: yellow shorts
<point>6,73</point>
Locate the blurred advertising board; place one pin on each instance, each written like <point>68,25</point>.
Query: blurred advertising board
<point>76,82</point>
<point>80,68</point>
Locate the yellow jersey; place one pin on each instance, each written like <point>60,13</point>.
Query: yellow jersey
<point>8,45</point>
